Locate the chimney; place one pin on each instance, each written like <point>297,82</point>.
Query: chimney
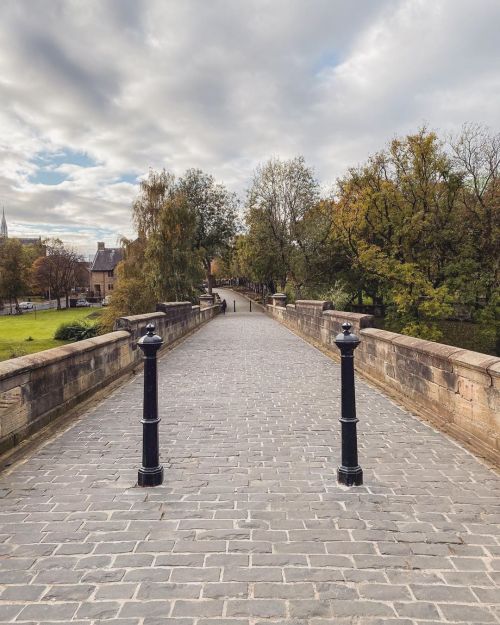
<point>100,246</point>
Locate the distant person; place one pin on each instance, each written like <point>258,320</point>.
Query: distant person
<point>224,306</point>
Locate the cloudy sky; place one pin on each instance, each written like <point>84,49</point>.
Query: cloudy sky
<point>95,92</point>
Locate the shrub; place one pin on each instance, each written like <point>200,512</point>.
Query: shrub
<point>76,331</point>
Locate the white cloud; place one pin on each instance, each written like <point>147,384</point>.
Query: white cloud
<point>221,85</point>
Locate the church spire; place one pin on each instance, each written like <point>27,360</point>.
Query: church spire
<point>3,228</point>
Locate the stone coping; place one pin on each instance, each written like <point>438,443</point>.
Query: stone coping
<point>15,366</point>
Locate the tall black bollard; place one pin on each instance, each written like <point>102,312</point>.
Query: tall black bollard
<point>349,473</point>
<point>234,305</point>
<point>250,305</point>
<point>151,472</point>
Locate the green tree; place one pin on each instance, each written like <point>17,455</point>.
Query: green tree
<point>132,294</point>
<point>281,195</point>
<point>14,270</point>
<point>214,208</point>
<point>164,262</point>
<point>172,260</point>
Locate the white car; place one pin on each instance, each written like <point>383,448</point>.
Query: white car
<point>81,303</point>
<point>26,305</point>
<point>106,300</point>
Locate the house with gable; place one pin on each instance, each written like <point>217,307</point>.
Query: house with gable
<point>102,270</point>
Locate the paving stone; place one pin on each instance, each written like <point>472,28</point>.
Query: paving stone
<point>462,613</point>
<point>22,593</point>
<point>454,594</point>
<point>48,612</point>
<point>262,608</point>
<point>284,591</point>
<point>252,574</point>
<point>98,610</point>
<point>420,609</point>
<point>72,592</point>
<point>225,590</point>
<point>9,610</point>
<point>204,608</point>
<point>116,591</point>
<point>191,574</point>
<point>150,590</point>
<point>144,609</point>
<point>310,609</point>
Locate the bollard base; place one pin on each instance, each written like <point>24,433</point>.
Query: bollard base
<point>150,477</point>
<point>350,476</point>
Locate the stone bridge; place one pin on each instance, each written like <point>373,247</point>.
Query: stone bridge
<point>250,525</point>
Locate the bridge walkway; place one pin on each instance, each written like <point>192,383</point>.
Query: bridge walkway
<point>250,525</point>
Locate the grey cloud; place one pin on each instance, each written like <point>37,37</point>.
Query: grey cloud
<point>225,84</point>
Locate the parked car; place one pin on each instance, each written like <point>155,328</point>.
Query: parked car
<point>80,303</point>
<point>106,300</point>
<point>26,305</point>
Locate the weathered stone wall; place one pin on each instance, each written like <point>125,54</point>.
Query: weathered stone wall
<point>38,388</point>
<point>458,390</point>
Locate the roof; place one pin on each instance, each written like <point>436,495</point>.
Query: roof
<point>107,259</point>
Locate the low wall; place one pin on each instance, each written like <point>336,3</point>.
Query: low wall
<point>38,388</point>
<point>456,389</point>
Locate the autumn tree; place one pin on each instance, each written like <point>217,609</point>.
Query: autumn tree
<point>397,222</point>
<point>55,271</point>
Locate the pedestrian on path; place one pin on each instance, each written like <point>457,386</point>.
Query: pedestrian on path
<point>224,306</point>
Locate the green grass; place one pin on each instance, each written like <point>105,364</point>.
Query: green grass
<point>16,329</point>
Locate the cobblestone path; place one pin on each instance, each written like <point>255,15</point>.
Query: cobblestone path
<point>250,526</point>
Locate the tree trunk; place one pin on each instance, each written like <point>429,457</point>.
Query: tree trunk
<point>58,298</point>
<point>210,281</point>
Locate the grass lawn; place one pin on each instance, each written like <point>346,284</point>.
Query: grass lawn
<point>15,329</point>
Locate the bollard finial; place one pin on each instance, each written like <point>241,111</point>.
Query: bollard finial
<point>150,340</point>
<point>346,328</point>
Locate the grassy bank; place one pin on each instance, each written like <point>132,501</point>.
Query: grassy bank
<point>25,334</point>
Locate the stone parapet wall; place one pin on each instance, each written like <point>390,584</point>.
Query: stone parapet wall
<point>36,389</point>
<point>456,389</point>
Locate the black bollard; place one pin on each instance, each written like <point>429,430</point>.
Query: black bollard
<point>349,473</point>
<point>151,472</point>
<point>250,305</point>
<point>234,305</point>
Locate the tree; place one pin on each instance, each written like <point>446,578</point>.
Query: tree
<point>55,272</point>
<point>214,208</point>
<point>164,263</point>
<point>476,154</point>
<point>131,294</point>
<point>172,260</point>
<point>475,275</point>
<point>14,269</point>
<point>146,210</point>
<point>278,202</point>
<point>397,222</point>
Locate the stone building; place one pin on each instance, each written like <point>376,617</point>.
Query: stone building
<point>102,270</point>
